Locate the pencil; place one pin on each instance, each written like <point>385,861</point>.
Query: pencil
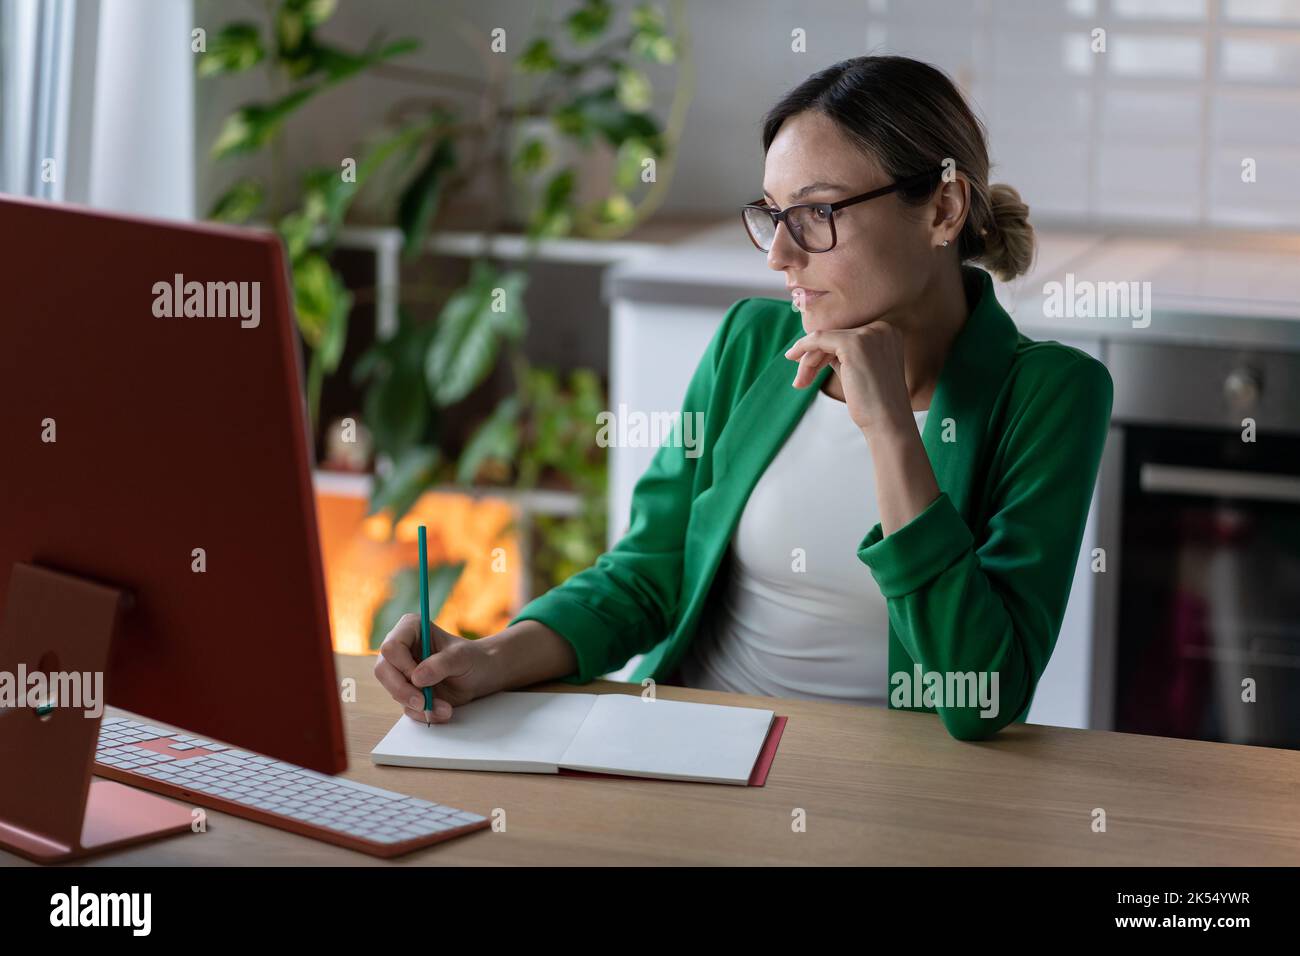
<point>425,644</point>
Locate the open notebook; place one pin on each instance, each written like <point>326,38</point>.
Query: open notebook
<point>602,733</point>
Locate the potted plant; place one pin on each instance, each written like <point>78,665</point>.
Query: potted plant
<point>589,96</point>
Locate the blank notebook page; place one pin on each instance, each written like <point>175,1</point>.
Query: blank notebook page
<point>506,731</point>
<point>669,739</point>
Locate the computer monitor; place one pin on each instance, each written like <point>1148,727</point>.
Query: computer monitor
<point>153,440</point>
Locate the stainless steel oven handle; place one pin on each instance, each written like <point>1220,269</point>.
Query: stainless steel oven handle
<point>1212,482</point>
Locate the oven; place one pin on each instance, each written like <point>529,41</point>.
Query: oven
<point>1197,614</point>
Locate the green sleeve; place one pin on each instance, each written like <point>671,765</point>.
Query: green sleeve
<point>996,605</point>
<point>626,602</point>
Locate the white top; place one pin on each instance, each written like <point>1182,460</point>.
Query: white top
<point>800,615</point>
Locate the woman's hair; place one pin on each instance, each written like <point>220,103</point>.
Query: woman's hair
<point>910,117</point>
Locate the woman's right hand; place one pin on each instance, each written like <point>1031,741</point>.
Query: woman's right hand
<point>459,670</point>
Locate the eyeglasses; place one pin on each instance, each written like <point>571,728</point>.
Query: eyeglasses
<point>811,224</point>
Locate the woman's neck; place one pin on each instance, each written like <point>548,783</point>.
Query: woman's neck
<point>929,327</point>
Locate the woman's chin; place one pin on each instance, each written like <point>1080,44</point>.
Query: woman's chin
<point>818,322</point>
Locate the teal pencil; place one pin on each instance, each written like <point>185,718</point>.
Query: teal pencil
<point>425,645</point>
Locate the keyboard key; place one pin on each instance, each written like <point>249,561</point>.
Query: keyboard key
<point>412,801</point>
<point>366,788</point>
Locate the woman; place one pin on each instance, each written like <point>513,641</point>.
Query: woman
<point>898,525</point>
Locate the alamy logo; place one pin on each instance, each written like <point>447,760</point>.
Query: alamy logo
<point>1085,299</point>
<point>43,691</point>
<point>624,429</point>
<point>103,909</point>
<point>209,300</point>
<point>947,689</point>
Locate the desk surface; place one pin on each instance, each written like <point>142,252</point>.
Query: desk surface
<point>877,786</point>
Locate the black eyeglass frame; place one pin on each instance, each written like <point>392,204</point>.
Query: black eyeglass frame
<point>778,215</point>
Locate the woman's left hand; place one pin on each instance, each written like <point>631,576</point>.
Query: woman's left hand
<point>869,361</point>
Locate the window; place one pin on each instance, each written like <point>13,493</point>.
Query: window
<point>35,81</point>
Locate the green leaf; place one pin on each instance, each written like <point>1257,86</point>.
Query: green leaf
<point>633,89</point>
<point>385,149</point>
<point>419,202</point>
<point>295,229</point>
<point>654,47</point>
<point>570,121</point>
<point>404,597</point>
<point>647,18</point>
<point>399,155</point>
<point>339,64</point>
<point>552,225</point>
<point>335,334</point>
<point>237,134</point>
<point>538,57</point>
<point>648,39</point>
<point>497,439</point>
<point>237,47</point>
<point>553,216</point>
<point>292,26</point>
<point>589,21</point>
<point>562,430</point>
<point>510,321</point>
<point>601,112</point>
<point>464,348</point>
<point>322,303</point>
<point>543,386</point>
<point>470,330</point>
<point>252,126</point>
<point>412,473</point>
<point>531,157</point>
<point>628,164</point>
<point>316,12</point>
<point>396,405</point>
<point>326,197</point>
<point>588,395</point>
<point>616,210</point>
<point>560,189</point>
<point>239,203</point>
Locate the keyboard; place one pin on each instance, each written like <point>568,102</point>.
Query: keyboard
<point>258,788</point>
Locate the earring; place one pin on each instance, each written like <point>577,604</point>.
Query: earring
<point>945,242</point>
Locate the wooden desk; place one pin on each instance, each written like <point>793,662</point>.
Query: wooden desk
<point>879,787</point>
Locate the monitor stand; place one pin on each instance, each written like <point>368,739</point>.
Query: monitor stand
<point>51,809</point>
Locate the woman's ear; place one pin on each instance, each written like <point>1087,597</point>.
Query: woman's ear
<point>951,205</point>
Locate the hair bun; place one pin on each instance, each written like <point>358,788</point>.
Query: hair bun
<point>1009,241</point>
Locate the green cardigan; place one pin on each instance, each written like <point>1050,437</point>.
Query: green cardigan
<point>977,582</point>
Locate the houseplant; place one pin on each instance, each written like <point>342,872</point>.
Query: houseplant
<point>588,90</point>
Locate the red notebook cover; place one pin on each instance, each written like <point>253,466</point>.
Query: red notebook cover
<point>757,778</point>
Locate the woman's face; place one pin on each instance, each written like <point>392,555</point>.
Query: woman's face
<point>885,253</point>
